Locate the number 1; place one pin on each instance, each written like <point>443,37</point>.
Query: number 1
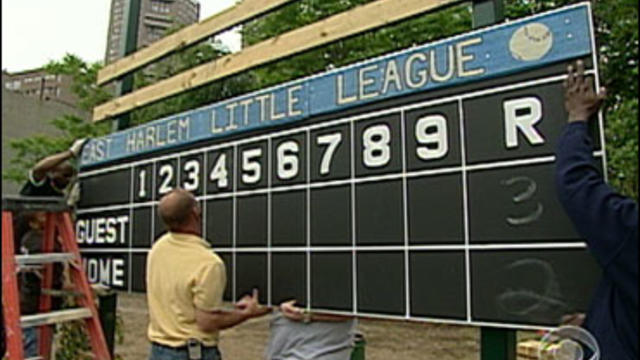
<point>142,177</point>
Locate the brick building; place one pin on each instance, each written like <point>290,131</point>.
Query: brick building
<point>38,84</point>
<point>156,16</point>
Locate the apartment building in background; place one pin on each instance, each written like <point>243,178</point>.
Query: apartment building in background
<point>156,16</point>
<point>38,84</point>
<point>25,112</point>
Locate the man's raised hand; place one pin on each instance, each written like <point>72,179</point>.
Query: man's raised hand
<point>77,146</point>
<point>250,306</point>
<point>580,99</point>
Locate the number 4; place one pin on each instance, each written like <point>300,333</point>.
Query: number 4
<point>219,172</point>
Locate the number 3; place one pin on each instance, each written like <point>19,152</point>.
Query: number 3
<point>192,168</point>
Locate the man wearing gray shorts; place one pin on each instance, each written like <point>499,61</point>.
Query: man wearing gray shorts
<point>297,334</point>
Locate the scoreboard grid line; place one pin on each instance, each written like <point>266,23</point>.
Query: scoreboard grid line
<point>269,218</point>
<point>205,192</point>
<point>405,215</point>
<point>354,260</point>
<point>323,184</point>
<point>153,196</point>
<point>308,214</point>
<point>416,248</point>
<point>234,236</point>
<point>341,121</point>
<point>131,201</point>
<point>465,209</point>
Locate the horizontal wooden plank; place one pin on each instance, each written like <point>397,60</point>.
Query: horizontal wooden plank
<point>244,11</point>
<point>349,23</point>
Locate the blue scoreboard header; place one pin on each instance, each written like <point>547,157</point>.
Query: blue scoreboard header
<point>496,51</point>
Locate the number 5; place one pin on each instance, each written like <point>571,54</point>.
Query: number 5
<point>250,166</point>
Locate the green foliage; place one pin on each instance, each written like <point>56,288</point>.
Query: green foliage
<point>429,27</point>
<point>31,149</point>
<point>71,127</point>
<point>72,341</point>
<point>84,77</point>
<point>176,63</point>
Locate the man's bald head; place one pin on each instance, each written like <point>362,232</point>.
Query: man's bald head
<point>177,209</point>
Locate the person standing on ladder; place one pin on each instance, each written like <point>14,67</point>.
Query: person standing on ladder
<point>50,177</point>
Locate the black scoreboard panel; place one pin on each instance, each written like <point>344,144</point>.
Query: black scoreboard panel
<point>438,207</point>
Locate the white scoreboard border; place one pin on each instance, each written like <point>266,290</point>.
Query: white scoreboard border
<point>308,249</point>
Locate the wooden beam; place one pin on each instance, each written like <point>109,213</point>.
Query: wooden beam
<point>352,22</point>
<point>190,35</point>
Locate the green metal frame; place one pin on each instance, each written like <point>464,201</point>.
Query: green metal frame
<point>130,45</point>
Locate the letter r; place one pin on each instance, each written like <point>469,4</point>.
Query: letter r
<point>522,114</point>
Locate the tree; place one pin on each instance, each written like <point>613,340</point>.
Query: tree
<point>183,60</point>
<point>31,149</point>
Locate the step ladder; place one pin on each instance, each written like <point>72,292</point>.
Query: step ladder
<point>57,225</point>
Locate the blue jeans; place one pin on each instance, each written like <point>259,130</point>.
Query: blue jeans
<point>30,341</point>
<point>159,352</point>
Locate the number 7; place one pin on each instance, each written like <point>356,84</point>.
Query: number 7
<point>332,141</point>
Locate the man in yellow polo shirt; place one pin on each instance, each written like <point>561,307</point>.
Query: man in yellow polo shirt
<point>185,283</point>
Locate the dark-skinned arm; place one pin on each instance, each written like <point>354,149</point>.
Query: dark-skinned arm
<point>292,312</point>
<point>603,217</point>
<point>40,170</point>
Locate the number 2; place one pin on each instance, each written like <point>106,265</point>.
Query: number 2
<point>166,173</point>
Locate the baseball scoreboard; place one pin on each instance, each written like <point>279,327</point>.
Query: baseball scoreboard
<point>418,185</point>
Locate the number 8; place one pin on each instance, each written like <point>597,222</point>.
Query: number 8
<point>376,141</point>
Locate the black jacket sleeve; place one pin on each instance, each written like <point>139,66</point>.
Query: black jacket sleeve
<point>607,220</point>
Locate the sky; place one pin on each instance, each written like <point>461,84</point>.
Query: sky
<point>37,31</point>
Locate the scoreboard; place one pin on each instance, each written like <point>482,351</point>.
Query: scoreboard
<point>418,185</point>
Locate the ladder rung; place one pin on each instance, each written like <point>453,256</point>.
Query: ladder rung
<point>54,317</point>
<point>39,259</point>
<point>54,292</point>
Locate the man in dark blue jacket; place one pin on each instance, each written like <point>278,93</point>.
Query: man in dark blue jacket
<point>607,220</point>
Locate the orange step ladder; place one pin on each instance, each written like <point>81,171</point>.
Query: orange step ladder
<point>58,222</point>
